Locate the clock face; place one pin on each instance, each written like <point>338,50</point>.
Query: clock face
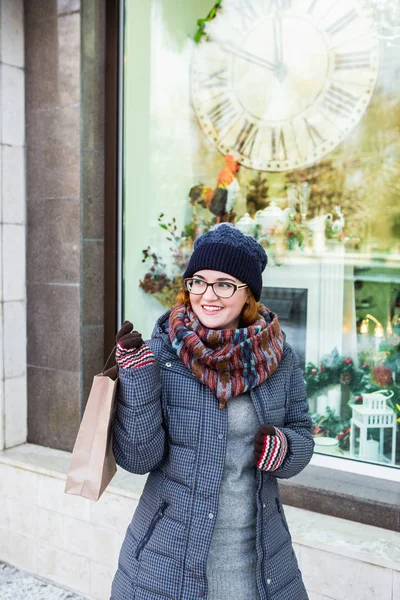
<point>280,83</point>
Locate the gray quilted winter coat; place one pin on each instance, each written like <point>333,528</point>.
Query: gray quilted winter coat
<point>168,424</point>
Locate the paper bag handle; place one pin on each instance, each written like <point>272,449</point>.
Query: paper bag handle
<point>109,356</point>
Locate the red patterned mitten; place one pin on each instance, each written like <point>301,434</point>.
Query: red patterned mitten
<point>131,350</point>
<point>270,448</point>
<point>134,358</point>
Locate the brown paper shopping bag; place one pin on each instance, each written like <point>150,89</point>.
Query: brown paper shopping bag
<point>93,464</point>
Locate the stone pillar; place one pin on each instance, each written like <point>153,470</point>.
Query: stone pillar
<point>92,191</point>
<point>64,93</point>
<point>13,402</point>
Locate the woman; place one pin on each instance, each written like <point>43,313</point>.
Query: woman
<point>214,407</point>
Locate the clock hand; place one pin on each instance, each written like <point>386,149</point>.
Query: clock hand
<point>245,55</point>
<point>278,44</point>
<point>280,69</point>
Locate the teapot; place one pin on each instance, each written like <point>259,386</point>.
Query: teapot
<point>268,217</point>
<point>246,224</point>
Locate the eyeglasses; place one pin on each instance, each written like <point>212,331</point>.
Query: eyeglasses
<point>222,289</point>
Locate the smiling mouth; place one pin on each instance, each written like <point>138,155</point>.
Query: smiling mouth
<point>211,309</point>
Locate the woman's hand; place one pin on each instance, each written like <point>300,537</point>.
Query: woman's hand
<point>270,448</point>
<point>127,338</point>
<point>131,350</point>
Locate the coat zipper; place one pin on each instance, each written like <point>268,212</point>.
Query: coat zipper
<point>255,404</point>
<point>159,514</point>
<point>262,549</point>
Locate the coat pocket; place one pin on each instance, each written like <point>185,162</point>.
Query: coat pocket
<point>159,515</point>
<point>282,514</point>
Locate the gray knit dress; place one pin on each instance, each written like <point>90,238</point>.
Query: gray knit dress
<point>231,564</point>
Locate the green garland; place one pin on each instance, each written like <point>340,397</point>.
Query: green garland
<point>337,369</point>
<point>202,22</point>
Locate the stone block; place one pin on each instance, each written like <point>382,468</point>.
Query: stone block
<point>93,281</point>
<point>60,566</point>
<point>112,511</point>
<point>49,527</point>
<point>16,408</point>
<point>18,550</point>
<point>12,106</point>
<point>12,32</point>
<point>13,185</point>
<point>5,512</point>
<point>53,63</point>
<point>14,277</point>
<point>396,585</point>
<point>15,339</point>
<point>23,517</point>
<point>92,357</point>
<point>53,240</point>
<point>68,6</point>
<point>101,577</point>
<point>53,164</point>
<point>53,325</point>
<point>51,496</point>
<point>18,483</point>
<point>93,194</point>
<point>96,543</point>
<point>53,408</point>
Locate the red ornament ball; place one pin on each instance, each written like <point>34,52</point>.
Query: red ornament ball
<point>313,371</point>
<point>348,361</point>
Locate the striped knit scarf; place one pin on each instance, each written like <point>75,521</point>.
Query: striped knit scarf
<point>228,361</point>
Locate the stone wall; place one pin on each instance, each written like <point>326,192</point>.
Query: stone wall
<point>13,405</point>
<point>75,542</point>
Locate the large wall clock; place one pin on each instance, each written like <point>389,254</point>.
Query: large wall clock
<point>280,83</point>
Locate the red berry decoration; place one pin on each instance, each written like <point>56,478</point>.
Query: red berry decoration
<point>382,375</point>
<point>348,361</point>
<point>313,371</point>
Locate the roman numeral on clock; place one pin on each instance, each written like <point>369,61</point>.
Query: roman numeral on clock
<point>315,136</point>
<point>278,144</point>
<point>218,79</point>
<point>340,102</point>
<point>246,138</point>
<point>246,10</point>
<point>342,22</point>
<point>279,5</point>
<point>223,113</point>
<point>312,6</point>
<point>352,60</point>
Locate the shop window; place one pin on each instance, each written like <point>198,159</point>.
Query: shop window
<point>282,118</point>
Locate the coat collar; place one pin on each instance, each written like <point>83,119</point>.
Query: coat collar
<point>161,328</point>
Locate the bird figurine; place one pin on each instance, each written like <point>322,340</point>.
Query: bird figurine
<point>220,201</point>
<point>338,224</point>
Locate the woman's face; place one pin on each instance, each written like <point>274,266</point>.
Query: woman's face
<point>214,312</point>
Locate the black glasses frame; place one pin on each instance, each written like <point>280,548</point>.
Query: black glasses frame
<point>235,286</point>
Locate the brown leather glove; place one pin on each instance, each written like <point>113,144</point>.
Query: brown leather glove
<point>128,338</point>
<point>259,439</point>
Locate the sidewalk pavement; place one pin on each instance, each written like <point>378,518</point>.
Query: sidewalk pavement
<point>19,585</point>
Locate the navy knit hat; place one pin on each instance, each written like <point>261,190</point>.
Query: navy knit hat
<point>225,248</point>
